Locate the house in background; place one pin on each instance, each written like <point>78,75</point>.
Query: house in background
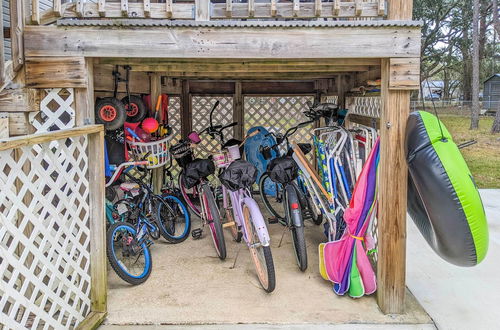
<point>491,94</point>
<point>435,89</point>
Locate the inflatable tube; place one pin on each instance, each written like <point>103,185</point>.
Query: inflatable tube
<point>443,199</point>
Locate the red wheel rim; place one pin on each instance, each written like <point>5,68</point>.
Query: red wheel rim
<point>134,109</point>
<point>107,113</point>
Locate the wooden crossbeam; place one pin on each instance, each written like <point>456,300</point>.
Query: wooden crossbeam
<point>124,7</point>
<point>57,8</point>
<point>35,11</point>
<point>251,8</point>
<point>317,7</point>
<point>296,8</point>
<point>101,8</point>
<point>202,42</point>
<point>147,8</point>
<point>169,8</point>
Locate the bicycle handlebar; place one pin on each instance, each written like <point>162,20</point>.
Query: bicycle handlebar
<point>118,169</point>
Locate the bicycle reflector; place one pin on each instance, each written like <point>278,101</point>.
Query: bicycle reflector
<point>295,206</point>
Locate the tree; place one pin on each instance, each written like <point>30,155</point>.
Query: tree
<point>474,123</point>
<point>496,24</point>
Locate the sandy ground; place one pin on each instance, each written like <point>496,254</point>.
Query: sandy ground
<point>190,285</point>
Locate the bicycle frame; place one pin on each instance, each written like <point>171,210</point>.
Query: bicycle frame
<point>238,199</point>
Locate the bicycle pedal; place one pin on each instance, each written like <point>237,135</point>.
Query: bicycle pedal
<point>196,233</point>
<point>272,220</point>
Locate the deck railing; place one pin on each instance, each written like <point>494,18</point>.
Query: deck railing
<point>52,230</point>
<point>47,11</point>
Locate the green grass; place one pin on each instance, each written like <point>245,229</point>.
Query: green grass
<point>483,158</point>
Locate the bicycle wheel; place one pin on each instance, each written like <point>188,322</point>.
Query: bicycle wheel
<point>131,261</point>
<point>214,222</point>
<point>190,195</point>
<point>272,196</point>
<point>298,238</point>
<point>174,219</point>
<point>261,255</point>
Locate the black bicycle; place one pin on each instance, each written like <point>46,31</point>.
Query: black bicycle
<point>283,194</point>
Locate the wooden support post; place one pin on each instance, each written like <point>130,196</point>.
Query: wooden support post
<point>340,82</point>
<point>296,8</point>
<point>147,8</point>
<point>358,10</point>
<point>155,93</point>
<point>399,9</point>
<point>84,98</point>
<point>101,7</point>
<point>186,109</point>
<point>393,175</point>
<point>124,7</point>
<point>98,270</point>
<point>35,12</point>
<point>16,33</point>
<point>318,7</point>
<point>57,8</point>
<point>2,55</point>
<point>229,8</point>
<point>251,8</point>
<point>381,7</point>
<point>80,4</point>
<point>4,125</point>
<point>273,8</point>
<point>202,9</point>
<point>336,7</point>
<point>168,8</point>
<point>238,112</point>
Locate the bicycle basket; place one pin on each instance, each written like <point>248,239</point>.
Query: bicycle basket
<point>283,170</point>
<point>182,153</point>
<point>196,170</point>
<point>240,174</point>
<point>158,151</point>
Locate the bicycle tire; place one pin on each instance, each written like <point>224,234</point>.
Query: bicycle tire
<point>298,237</point>
<point>269,282</point>
<point>191,204</point>
<point>114,261</point>
<point>268,199</point>
<point>215,224</point>
<point>170,214</point>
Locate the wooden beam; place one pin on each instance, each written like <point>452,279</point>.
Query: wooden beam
<point>381,7</point>
<point>404,73</point>
<point>84,98</point>
<point>17,31</point>
<point>336,7</point>
<point>399,9</point>
<point>57,8</point>
<point>186,109</point>
<point>56,72</point>
<point>169,8</point>
<point>101,8</point>
<point>296,8</point>
<point>393,174</point>
<point>202,10</point>
<point>238,114</point>
<point>92,321</point>
<point>104,81</point>
<point>273,8</point>
<point>19,123</point>
<point>318,7</point>
<point>4,125</point>
<point>80,4</point>
<point>124,7</point>
<point>19,100</point>
<point>358,7</point>
<point>2,52</point>
<point>278,88</point>
<point>147,8</point>
<point>251,8</point>
<point>35,12</point>
<point>229,8</point>
<point>98,261</point>
<point>202,42</point>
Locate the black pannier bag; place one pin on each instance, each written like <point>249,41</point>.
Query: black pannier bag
<point>283,170</point>
<point>182,153</point>
<point>238,175</point>
<point>196,170</point>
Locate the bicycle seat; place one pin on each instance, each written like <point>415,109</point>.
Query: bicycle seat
<point>129,186</point>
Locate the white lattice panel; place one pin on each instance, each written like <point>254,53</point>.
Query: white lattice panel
<point>366,106</point>
<point>56,111</point>
<point>223,115</point>
<point>277,114</point>
<point>45,235</point>
<point>332,99</point>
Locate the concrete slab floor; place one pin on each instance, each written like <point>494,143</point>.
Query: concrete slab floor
<point>189,285</point>
<point>458,298</point>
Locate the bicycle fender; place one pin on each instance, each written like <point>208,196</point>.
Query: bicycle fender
<point>258,220</point>
<point>293,199</point>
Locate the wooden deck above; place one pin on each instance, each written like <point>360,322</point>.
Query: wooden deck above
<point>47,11</point>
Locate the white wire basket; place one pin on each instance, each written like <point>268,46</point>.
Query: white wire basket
<point>158,150</point>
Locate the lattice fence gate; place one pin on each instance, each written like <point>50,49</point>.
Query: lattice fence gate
<point>277,114</point>
<point>45,235</point>
<point>57,110</point>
